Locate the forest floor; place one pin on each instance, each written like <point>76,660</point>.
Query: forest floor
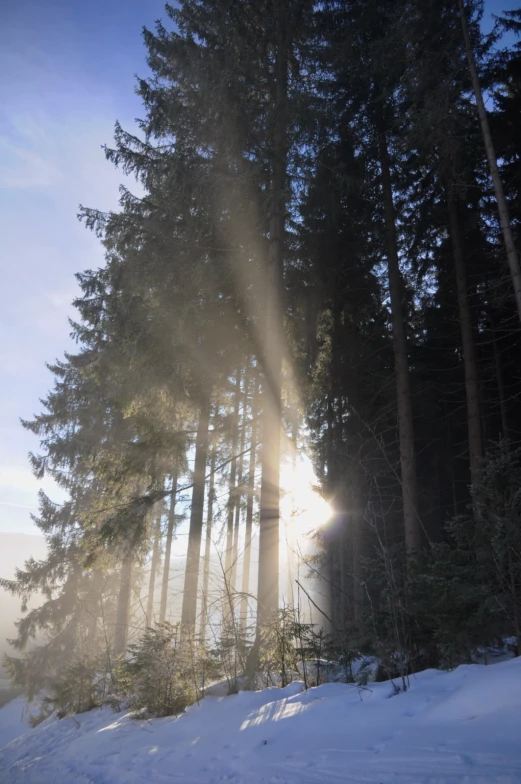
<point>460,726</point>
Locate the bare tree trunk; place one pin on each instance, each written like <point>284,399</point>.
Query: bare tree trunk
<point>153,571</point>
<point>231,498</point>
<point>333,565</point>
<point>502,205</point>
<point>291,540</point>
<point>123,607</point>
<point>505,433</point>
<point>515,600</point>
<point>168,549</point>
<point>343,562</point>
<point>208,544</point>
<point>469,350</point>
<point>412,525</point>
<point>357,518</point>
<point>449,451</point>
<point>188,613</point>
<point>268,586</point>
<point>239,492</point>
<point>249,512</point>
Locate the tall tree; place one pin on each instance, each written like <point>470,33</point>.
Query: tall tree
<point>412,526</point>
<point>208,543</point>
<point>189,608</point>
<point>154,566</point>
<point>469,351</point>
<point>123,606</point>
<point>272,349</point>
<point>248,535</point>
<point>502,204</point>
<point>168,548</point>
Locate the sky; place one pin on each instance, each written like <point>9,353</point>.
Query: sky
<point>66,74</point>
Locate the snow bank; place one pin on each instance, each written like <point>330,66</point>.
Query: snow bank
<point>462,726</point>
<point>13,720</point>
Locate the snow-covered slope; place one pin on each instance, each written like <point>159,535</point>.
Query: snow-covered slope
<point>13,720</point>
<point>462,726</point>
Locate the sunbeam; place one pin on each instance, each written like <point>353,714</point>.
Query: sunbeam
<point>302,506</point>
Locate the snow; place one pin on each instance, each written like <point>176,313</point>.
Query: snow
<point>460,726</point>
<point>13,720</point>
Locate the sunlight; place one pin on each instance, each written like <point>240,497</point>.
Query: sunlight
<point>302,507</point>
<point>303,511</point>
<point>275,711</point>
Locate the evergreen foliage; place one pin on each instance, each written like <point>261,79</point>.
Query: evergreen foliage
<point>160,676</point>
<point>316,250</point>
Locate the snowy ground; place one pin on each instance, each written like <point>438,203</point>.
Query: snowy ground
<point>13,721</point>
<point>462,726</point>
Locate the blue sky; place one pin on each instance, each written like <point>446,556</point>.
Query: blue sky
<point>66,74</point>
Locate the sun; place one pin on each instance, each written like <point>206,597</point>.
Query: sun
<point>302,507</point>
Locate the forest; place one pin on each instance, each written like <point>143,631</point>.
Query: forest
<point>310,298</point>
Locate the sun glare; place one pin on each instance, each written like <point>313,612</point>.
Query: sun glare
<point>302,507</point>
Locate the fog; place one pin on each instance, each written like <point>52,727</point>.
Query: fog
<point>15,549</point>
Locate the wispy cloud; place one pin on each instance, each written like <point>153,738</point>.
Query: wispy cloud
<point>22,168</point>
<point>19,486</point>
<point>17,506</point>
<point>53,122</point>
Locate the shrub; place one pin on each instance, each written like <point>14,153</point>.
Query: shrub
<point>159,676</point>
<point>83,684</point>
<point>285,646</point>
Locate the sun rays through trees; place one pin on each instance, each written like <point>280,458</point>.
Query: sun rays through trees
<point>294,400</point>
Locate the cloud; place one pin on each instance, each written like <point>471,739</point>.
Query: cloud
<point>19,487</point>
<point>58,104</point>
<point>52,125</point>
<point>22,168</point>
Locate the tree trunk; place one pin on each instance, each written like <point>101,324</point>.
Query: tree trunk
<point>469,350</point>
<point>123,607</point>
<point>268,586</point>
<point>291,544</point>
<point>515,600</point>
<point>505,433</point>
<point>168,549</point>
<point>249,513</point>
<point>504,217</point>
<point>412,525</point>
<point>153,571</point>
<point>189,608</point>
<point>208,544</point>
<point>449,453</point>
<point>231,498</point>
<point>333,566</point>
<point>357,517</point>
<point>239,489</point>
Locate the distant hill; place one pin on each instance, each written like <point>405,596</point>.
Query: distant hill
<point>15,549</point>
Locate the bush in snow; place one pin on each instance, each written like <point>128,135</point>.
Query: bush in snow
<point>291,650</point>
<point>83,683</point>
<point>438,607</point>
<point>490,536</point>
<point>162,673</point>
